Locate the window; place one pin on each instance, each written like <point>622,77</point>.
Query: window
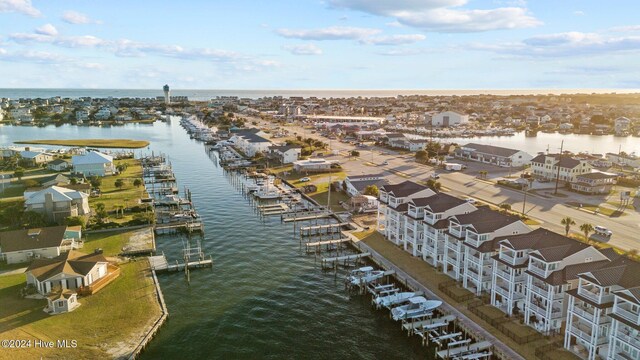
<point>589,259</point>
<point>60,303</point>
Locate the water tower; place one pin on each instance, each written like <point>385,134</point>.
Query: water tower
<point>167,97</point>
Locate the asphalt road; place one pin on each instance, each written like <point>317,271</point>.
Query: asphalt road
<point>547,211</point>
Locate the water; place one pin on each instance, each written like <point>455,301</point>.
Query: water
<point>264,298</point>
<point>204,95</point>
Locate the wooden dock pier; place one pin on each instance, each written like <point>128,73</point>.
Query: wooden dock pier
<point>320,229</point>
<point>159,263</point>
<point>460,351</point>
<point>344,259</point>
<point>316,246</point>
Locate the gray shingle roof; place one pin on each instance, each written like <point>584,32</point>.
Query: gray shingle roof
<point>24,239</point>
<point>484,220</point>
<point>492,150</point>
<point>439,202</point>
<point>403,189</point>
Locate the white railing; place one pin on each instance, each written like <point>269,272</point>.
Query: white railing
<point>507,258</point>
<point>586,336</point>
<point>583,313</point>
<point>538,271</point>
<point>634,318</point>
<point>589,295</point>
<point>540,291</point>
<point>502,291</point>
<point>631,340</point>
<point>503,274</point>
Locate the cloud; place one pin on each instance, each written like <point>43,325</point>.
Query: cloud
<point>564,45</point>
<point>405,52</point>
<point>47,29</point>
<point>628,28</point>
<point>579,13</point>
<point>39,57</point>
<point>443,15</point>
<point>77,18</point>
<point>19,6</point>
<point>330,33</point>
<point>394,39</point>
<point>303,49</point>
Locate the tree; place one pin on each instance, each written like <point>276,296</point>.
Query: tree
<point>119,183</point>
<point>137,182</point>
<point>19,173</point>
<point>75,221</point>
<point>371,190</point>
<point>567,222</point>
<point>29,183</point>
<point>434,185</point>
<point>355,153</point>
<point>505,206</point>
<point>73,181</point>
<point>122,167</point>
<point>422,156</point>
<point>586,229</point>
<point>33,219</point>
<point>95,181</point>
<point>101,213</point>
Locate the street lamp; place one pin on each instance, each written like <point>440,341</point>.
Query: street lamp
<point>526,190</point>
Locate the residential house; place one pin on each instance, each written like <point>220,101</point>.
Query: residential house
<point>286,154</point>
<point>82,115</point>
<point>591,311</point>
<point>624,338</point>
<point>35,158</point>
<point>355,184</point>
<point>57,203</point>
<point>393,204</point>
<point>400,141</point>
<point>594,183</point>
<point>93,163</point>
<point>449,118</point>
<point>58,165</point>
<point>624,159</point>
<point>250,141</point>
<point>23,245</point>
<point>494,155</point>
<point>61,301</point>
<point>621,126</point>
<point>72,270</point>
<point>547,166</point>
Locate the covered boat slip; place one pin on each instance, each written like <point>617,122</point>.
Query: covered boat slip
<point>471,351</point>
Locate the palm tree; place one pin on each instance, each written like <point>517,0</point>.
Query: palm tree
<point>567,222</point>
<point>586,229</point>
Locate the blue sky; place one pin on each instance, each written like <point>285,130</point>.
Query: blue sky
<point>329,44</point>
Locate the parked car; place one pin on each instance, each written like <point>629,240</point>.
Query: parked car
<point>601,230</point>
<point>304,179</point>
<point>385,163</point>
<point>471,200</point>
<point>435,176</point>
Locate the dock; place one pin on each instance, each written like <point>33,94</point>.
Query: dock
<point>344,259</point>
<point>461,351</point>
<point>324,215</point>
<point>314,246</point>
<point>428,324</point>
<point>160,263</point>
<point>319,229</point>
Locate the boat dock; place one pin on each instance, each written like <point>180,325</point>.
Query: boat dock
<point>304,217</point>
<point>461,351</point>
<point>343,259</point>
<point>160,263</point>
<point>429,324</point>
<point>321,229</point>
<point>317,246</point>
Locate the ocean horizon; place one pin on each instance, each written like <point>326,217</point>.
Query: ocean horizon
<point>206,94</point>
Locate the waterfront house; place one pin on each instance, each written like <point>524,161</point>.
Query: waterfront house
<point>400,141</point>
<point>314,165</point>
<point>57,203</point>
<point>622,126</point>
<point>623,159</point>
<point>422,229</point>
<point>449,118</point>
<point>82,115</point>
<point>356,184</point>
<point>285,154</point>
<point>393,204</point>
<point>588,330</point>
<point>494,155</point>
<point>250,141</point>
<point>58,165</point>
<point>23,245</point>
<point>93,163</point>
<point>624,338</point>
<point>547,166</point>
<point>73,270</point>
<point>594,183</point>
<point>54,180</point>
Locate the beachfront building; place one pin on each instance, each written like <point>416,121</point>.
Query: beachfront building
<point>449,118</point>
<point>393,204</point>
<point>482,230</point>
<point>285,154</point>
<point>355,185</point>
<point>57,203</point>
<point>624,338</point>
<point>546,167</point>
<point>72,270</point>
<point>594,183</point>
<point>437,209</point>
<point>494,155</point>
<point>590,309</point>
<point>314,165</point>
<point>23,245</point>
<point>93,163</point>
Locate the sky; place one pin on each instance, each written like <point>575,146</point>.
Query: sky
<point>321,44</point>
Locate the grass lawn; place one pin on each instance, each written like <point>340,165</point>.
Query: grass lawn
<point>100,143</point>
<point>12,191</point>
<point>110,242</point>
<point>106,324</point>
<point>127,195</point>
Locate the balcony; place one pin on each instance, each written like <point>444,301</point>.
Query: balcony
<point>585,334</point>
<point>415,212</point>
<point>476,260</point>
<point>540,271</point>
<point>505,274</point>
<point>626,337</point>
<point>456,230</point>
<point>593,293</point>
<point>585,313</point>
<point>633,317</point>
<point>504,292</point>
<point>473,239</point>
<point>430,218</point>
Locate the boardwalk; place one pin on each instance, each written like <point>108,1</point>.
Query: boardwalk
<point>462,318</point>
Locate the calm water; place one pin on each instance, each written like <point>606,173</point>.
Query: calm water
<point>201,95</point>
<point>264,298</point>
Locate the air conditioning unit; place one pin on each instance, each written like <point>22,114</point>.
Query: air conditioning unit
<point>37,256</point>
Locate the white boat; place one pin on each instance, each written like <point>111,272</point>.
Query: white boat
<point>393,299</point>
<point>417,306</point>
<point>364,275</point>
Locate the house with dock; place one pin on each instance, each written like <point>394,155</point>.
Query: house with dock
<point>20,246</point>
<point>285,154</point>
<point>393,205</point>
<point>93,163</point>
<point>250,141</point>
<point>355,185</point>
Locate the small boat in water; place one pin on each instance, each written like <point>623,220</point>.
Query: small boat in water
<point>417,306</point>
<point>364,275</point>
<point>393,299</point>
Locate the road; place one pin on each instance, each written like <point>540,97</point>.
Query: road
<point>547,211</point>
